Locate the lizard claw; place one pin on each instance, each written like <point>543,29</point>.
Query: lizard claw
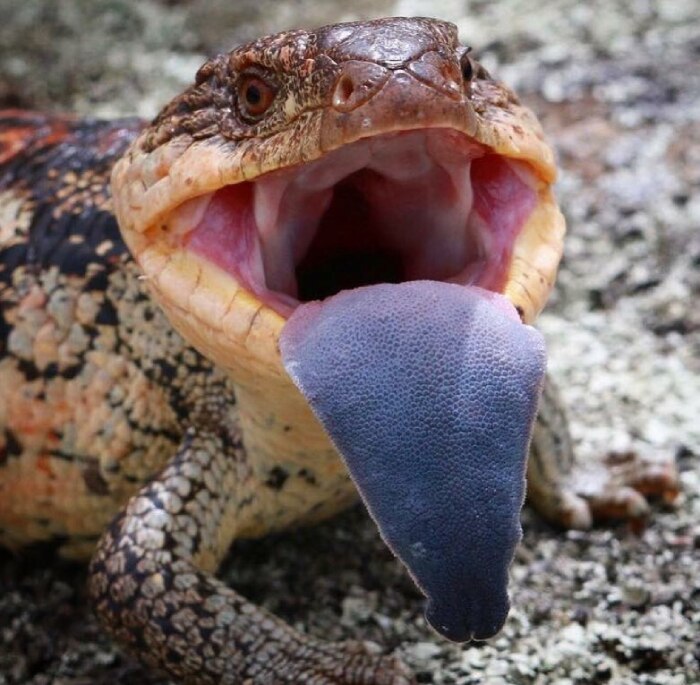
<point>618,488</point>
<point>654,477</point>
<point>576,494</point>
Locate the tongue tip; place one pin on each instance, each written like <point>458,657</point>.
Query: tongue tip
<point>469,620</point>
<point>466,633</point>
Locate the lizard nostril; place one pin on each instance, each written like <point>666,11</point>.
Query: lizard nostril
<point>358,82</point>
<point>344,90</point>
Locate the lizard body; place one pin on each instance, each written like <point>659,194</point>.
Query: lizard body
<point>151,387</point>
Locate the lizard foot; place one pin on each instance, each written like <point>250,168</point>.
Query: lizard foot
<point>616,488</point>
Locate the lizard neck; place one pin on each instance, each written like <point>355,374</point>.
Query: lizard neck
<point>297,475</point>
<point>301,477</point>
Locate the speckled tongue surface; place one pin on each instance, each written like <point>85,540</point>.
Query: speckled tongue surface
<point>429,391</point>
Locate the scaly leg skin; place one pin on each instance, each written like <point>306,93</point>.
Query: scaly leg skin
<point>575,495</point>
<point>152,587</point>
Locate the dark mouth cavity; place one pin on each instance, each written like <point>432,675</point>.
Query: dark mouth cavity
<point>347,251</point>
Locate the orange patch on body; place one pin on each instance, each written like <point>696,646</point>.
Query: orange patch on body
<point>13,140</point>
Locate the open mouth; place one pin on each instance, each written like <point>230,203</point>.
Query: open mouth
<point>427,204</point>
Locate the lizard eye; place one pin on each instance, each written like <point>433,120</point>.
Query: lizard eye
<point>467,68</point>
<point>255,95</point>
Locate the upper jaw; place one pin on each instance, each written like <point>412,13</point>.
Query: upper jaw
<point>369,99</point>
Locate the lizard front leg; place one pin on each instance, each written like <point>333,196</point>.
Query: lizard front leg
<point>153,589</point>
<point>574,494</point>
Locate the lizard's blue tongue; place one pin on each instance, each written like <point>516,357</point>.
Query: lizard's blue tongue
<point>429,391</point>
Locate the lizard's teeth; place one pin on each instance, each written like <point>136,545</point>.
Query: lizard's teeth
<point>399,207</point>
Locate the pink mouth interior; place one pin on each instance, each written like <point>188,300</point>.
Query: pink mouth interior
<point>427,204</point>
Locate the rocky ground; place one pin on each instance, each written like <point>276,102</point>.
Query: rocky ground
<point>618,89</point>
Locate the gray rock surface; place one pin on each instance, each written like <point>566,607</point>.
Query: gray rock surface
<point>617,86</point>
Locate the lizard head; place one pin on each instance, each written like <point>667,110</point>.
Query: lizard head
<point>377,159</point>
